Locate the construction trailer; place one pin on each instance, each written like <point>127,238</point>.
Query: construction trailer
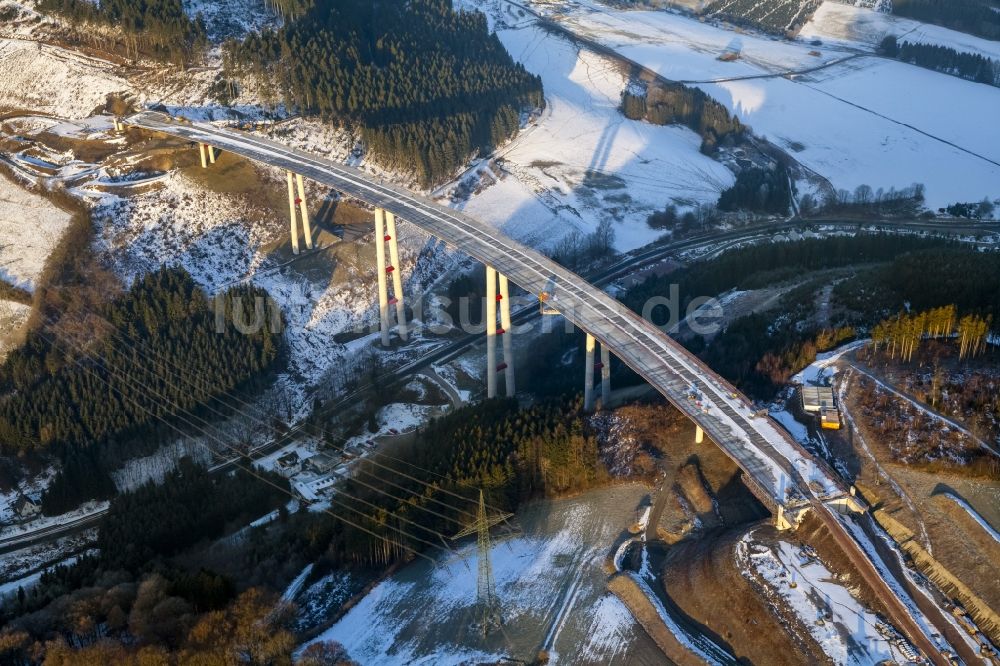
<point>819,400</point>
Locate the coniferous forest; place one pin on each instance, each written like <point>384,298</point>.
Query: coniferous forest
<point>158,28</point>
<point>978,17</point>
<point>757,266</point>
<point>84,405</point>
<point>666,105</point>
<point>426,86</point>
<point>513,453</point>
<point>759,190</point>
<point>971,66</point>
<point>759,352</point>
<point>151,536</point>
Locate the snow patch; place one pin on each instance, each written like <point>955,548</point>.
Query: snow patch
<point>846,631</point>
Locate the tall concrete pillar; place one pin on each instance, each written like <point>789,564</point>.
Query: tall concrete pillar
<point>490,313</point>
<point>201,149</point>
<point>211,153</point>
<point>508,341</point>
<point>588,374</point>
<point>699,435</point>
<point>383,292</point>
<point>306,229</point>
<point>397,274</point>
<point>291,211</point>
<point>605,376</point>
<point>781,523</point>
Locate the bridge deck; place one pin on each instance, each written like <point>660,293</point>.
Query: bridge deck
<point>757,444</point>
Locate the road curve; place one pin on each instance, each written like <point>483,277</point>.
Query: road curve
<point>667,366</point>
<point>750,441</point>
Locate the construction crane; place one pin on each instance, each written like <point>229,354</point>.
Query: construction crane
<point>486,594</point>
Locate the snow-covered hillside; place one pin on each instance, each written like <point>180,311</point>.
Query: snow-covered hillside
<point>853,119</point>
<point>847,631</point>
<point>582,161</point>
<point>850,26</point>
<point>884,131</point>
<point>30,227</point>
<point>49,79</point>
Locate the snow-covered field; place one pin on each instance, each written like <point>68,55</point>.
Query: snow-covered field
<point>582,161</point>
<point>30,227</point>
<point>12,317</point>
<point>844,629</point>
<point>549,581</point>
<point>920,98</point>
<point>397,417</point>
<point>851,142</point>
<point>861,121</point>
<point>682,48</point>
<point>850,26</point>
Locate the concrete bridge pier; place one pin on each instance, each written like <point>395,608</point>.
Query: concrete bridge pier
<point>385,232</point>
<point>211,153</point>
<point>397,276</point>
<point>699,435</point>
<point>380,268</point>
<point>508,341</point>
<point>605,376</point>
<point>490,314</point>
<point>781,522</point>
<point>301,201</point>
<point>291,210</point>
<point>604,366</point>
<point>201,151</point>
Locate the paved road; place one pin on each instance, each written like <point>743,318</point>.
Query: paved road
<point>638,343</point>
<point>627,264</point>
<point>750,441</point>
<point>51,532</point>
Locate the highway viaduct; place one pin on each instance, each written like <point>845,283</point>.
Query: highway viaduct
<point>756,443</point>
<point>783,475</point>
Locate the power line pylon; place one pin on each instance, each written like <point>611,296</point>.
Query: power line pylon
<point>486,594</point>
